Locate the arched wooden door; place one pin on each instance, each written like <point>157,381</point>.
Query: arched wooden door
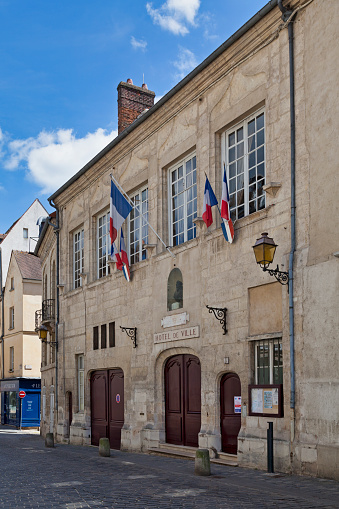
<point>107,406</point>
<point>230,415</point>
<point>183,400</point>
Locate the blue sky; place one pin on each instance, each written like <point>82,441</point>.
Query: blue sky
<point>60,64</point>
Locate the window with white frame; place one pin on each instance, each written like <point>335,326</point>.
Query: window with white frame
<point>11,317</point>
<point>81,386</point>
<point>183,200</point>
<point>78,257</point>
<point>11,358</point>
<point>138,226</point>
<point>103,244</point>
<point>268,361</point>
<point>244,154</point>
<point>25,233</point>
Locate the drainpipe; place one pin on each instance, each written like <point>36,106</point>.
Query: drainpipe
<point>2,321</point>
<point>286,14</point>
<point>56,228</point>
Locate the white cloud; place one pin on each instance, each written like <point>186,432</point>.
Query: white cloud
<point>174,15</point>
<point>141,44</point>
<point>54,157</point>
<point>185,63</point>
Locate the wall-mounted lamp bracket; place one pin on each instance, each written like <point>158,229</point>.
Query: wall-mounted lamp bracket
<point>279,275</point>
<point>131,333</point>
<point>220,314</point>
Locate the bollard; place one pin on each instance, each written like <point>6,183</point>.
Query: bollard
<point>202,462</point>
<point>270,466</point>
<point>49,440</point>
<point>104,447</point>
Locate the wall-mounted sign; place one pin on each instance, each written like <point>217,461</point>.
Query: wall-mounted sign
<point>266,400</point>
<point>177,335</point>
<point>12,385</point>
<point>175,320</point>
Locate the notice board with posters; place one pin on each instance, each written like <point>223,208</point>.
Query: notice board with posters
<point>266,400</point>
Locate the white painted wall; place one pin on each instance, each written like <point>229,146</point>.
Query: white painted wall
<point>15,239</point>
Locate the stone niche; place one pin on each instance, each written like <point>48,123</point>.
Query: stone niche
<point>265,309</point>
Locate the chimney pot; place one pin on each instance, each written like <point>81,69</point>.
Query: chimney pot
<point>132,102</point>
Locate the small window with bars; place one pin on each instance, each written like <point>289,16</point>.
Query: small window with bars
<point>95,338</point>
<point>268,360</point>
<point>112,334</point>
<point>103,336</point>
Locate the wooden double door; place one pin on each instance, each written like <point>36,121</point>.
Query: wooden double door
<point>107,406</point>
<point>230,390</point>
<point>183,400</point>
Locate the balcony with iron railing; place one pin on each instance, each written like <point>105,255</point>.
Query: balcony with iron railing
<point>46,315</point>
<point>48,310</point>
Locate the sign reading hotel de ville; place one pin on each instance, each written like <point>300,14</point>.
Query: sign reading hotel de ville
<point>176,335</point>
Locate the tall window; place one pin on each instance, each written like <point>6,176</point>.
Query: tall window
<point>103,244</point>
<point>138,227</point>
<point>244,154</point>
<point>11,358</point>
<point>183,200</point>
<point>268,362</point>
<point>12,284</point>
<point>25,233</point>
<point>81,387</point>
<point>11,317</point>
<point>78,257</point>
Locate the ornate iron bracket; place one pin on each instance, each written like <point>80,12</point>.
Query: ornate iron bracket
<point>220,314</point>
<point>48,342</point>
<point>131,333</point>
<point>279,275</point>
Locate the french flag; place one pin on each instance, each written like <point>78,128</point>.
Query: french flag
<point>124,258</point>
<point>119,210</point>
<point>116,257</point>
<point>228,229</point>
<point>209,201</point>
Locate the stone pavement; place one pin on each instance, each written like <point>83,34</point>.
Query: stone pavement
<point>72,477</point>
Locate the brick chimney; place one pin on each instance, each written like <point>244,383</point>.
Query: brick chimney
<point>132,101</point>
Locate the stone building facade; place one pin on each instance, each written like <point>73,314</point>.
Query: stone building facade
<point>183,380</point>
<point>46,316</point>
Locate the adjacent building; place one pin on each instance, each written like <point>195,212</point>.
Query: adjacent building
<point>20,356</point>
<point>202,347</point>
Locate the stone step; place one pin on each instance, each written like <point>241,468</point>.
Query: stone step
<point>181,451</point>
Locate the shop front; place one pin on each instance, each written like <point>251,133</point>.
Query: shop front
<point>16,411</point>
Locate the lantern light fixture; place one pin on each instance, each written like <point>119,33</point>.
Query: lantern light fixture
<point>264,251</point>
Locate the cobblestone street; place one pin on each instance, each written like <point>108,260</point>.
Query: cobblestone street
<point>71,477</point>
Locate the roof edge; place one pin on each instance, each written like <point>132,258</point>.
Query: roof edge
<point>205,63</point>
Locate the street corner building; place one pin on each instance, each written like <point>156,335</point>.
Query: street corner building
<point>201,347</point>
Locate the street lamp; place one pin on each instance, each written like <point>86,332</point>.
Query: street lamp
<point>264,251</point>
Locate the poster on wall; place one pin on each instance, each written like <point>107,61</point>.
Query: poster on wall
<point>237,404</point>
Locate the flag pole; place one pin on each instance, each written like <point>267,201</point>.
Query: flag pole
<point>138,210</point>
